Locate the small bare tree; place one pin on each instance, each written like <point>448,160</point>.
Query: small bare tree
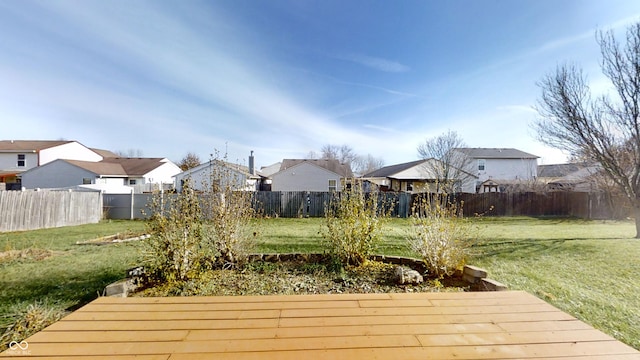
<point>189,161</point>
<point>603,128</point>
<point>453,166</point>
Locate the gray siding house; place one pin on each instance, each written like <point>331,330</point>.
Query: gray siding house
<point>311,175</point>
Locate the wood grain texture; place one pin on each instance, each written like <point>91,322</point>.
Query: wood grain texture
<point>497,325</point>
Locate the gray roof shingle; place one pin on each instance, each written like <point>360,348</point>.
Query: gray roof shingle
<point>332,165</point>
<point>29,145</point>
<point>496,153</point>
<point>119,166</point>
<point>392,169</point>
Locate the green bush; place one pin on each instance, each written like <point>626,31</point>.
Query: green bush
<point>439,234</point>
<point>354,221</point>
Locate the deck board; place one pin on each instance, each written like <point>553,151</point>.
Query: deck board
<point>489,325</point>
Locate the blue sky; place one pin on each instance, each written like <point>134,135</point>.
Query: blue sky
<point>283,78</point>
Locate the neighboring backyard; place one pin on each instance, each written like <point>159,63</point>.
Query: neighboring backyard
<point>589,269</point>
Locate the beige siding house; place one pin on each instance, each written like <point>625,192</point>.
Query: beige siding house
<point>414,177</point>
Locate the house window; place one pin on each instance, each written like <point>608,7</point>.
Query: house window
<point>481,164</point>
<point>86,181</point>
<point>22,162</point>
<point>333,185</point>
<point>132,181</point>
<point>409,186</point>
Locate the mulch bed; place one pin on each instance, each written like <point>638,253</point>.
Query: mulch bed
<point>299,277</point>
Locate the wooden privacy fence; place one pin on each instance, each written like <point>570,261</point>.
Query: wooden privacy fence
<point>30,210</point>
<point>576,204</point>
<point>312,204</point>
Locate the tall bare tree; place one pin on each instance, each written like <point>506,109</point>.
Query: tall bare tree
<point>453,166</point>
<point>189,161</point>
<point>603,128</point>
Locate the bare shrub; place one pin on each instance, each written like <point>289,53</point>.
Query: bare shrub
<point>194,230</point>
<point>439,234</point>
<point>229,232</point>
<point>353,220</point>
<point>174,250</point>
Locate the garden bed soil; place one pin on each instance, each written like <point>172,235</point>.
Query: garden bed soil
<point>299,277</point>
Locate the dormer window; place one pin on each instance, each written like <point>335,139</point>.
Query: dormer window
<point>22,160</point>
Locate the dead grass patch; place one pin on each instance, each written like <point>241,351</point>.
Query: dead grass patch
<point>24,254</point>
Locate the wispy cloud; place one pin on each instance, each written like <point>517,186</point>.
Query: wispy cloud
<point>374,62</point>
<point>588,35</point>
<point>184,81</point>
<point>384,129</point>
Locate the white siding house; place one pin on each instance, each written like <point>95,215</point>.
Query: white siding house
<point>139,174</point>
<point>234,175</point>
<point>18,156</point>
<point>310,175</point>
<point>72,150</point>
<point>498,164</point>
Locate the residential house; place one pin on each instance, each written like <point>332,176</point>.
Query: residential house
<point>109,175</point>
<point>414,177</point>
<point>18,156</point>
<point>238,177</point>
<point>270,169</point>
<point>266,172</point>
<point>579,177</point>
<point>500,165</point>
<point>311,175</point>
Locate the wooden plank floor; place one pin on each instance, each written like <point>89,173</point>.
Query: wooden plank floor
<point>476,325</point>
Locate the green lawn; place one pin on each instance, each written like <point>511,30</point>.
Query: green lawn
<point>70,275</point>
<point>589,269</point>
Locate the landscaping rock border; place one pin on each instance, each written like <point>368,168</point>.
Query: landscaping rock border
<point>473,275</point>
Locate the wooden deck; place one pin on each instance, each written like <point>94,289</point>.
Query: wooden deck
<point>480,325</point>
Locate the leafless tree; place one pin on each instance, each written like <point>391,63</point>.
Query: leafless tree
<point>366,164</point>
<point>189,161</point>
<point>453,166</point>
<point>129,153</point>
<point>605,128</point>
<point>360,164</point>
<point>343,153</point>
